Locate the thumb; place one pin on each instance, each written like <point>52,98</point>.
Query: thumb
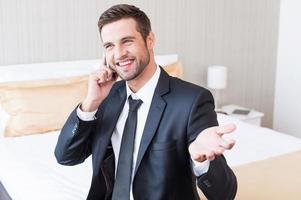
<point>228,128</point>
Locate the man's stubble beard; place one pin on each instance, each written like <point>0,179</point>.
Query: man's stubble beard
<point>141,65</point>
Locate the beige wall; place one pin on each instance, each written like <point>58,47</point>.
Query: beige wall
<point>241,34</point>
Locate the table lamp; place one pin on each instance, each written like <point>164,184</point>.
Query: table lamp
<point>217,80</point>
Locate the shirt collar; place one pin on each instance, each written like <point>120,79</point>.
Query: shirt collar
<point>146,92</point>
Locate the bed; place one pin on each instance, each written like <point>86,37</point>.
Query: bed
<point>266,162</point>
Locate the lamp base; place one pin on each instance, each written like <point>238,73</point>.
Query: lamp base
<point>216,95</point>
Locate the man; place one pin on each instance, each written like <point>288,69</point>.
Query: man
<point>151,136</point>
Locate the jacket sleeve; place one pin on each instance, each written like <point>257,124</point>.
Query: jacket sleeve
<point>219,182</point>
<point>74,142</point>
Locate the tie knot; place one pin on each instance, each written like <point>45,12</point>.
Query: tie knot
<point>134,104</point>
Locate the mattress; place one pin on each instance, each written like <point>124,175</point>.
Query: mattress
<point>29,170</point>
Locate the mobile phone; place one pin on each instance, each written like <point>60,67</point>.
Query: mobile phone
<point>115,75</point>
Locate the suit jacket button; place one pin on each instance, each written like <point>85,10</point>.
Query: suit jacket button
<point>207,183</point>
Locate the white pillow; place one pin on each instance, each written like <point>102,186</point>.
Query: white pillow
<point>38,71</point>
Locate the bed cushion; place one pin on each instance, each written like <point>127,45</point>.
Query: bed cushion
<point>174,69</point>
<point>40,106</point>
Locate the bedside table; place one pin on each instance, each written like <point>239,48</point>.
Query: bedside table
<point>253,117</point>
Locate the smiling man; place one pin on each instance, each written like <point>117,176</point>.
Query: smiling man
<point>151,136</point>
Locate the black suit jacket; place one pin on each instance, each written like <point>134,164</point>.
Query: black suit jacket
<point>178,113</point>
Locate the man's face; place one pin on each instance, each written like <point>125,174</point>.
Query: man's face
<point>125,49</point>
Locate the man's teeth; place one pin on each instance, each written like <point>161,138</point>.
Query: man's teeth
<point>125,62</point>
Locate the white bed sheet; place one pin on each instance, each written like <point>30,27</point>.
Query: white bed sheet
<point>255,143</point>
<point>28,168</point>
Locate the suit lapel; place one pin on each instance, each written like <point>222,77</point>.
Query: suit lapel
<point>154,116</point>
<point>110,116</point>
<point>112,112</point>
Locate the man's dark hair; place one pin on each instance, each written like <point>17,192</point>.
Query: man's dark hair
<point>122,11</point>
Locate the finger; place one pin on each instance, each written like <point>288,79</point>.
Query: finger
<point>105,63</point>
<point>108,73</point>
<point>219,150</point>
<point>198,157</point>
<point>227,144</point>
<point>229,128</point>
<point>232,143</point>
<point>210,156</point>
<point>101,76</point>
<point>96,75</point>
<point>112,74</point>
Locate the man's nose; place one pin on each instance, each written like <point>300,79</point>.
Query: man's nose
<point>120,52</point>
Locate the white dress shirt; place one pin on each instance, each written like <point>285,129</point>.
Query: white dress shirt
<point>146,95</point>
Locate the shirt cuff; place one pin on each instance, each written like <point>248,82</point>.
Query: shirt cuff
<point>200,168</point>
<point>85,116</point>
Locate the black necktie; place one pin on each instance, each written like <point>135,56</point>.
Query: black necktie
<point>123,178</point>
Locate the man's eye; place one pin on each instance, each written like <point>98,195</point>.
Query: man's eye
<point>108,46</point>
<point>128,41</point>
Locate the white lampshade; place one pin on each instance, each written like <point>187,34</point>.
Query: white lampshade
<point>217,77</point>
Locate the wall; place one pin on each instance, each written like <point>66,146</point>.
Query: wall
<point>241,34</point>
<point>287,112</point>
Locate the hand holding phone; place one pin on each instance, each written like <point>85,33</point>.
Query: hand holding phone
<point>114,75</point>
<point>99,86</point>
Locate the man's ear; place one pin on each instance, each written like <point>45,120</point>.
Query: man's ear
<point>150,40</point>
